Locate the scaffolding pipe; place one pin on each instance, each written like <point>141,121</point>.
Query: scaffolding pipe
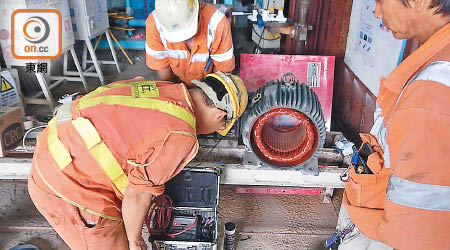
<point>301,26</point>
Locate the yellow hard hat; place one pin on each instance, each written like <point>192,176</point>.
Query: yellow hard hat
<point>233,102</point>
<point>178,18</point>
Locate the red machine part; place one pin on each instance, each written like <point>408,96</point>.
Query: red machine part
<point>274,190</point>
<point>284,137</point>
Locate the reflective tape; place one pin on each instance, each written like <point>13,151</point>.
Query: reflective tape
<point>154,104</point>
<point>110,165</point>
<point>159,29</point>
<point>212,27</point>
<point>201,57</point>
<point>177,54</point>
<point>438,71</point>
<point>187,98</point>
<point>87,132</point>
<point>93,142</point>
<point>155,53</point>
<point>108,87</point>
<point>101,153</point>
<point>418,195</point>
<point>223,56</point>
<point>56,148</point>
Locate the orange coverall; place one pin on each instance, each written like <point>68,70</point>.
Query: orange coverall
<point>80,198</point>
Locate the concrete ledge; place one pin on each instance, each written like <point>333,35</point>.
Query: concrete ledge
<point>14,168</point>
<point>231,174</point>
<point>269,176</point>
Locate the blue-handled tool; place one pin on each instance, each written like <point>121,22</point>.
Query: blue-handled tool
<point>208,64</point>
<point>259,21</point>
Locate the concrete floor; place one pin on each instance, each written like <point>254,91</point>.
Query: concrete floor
<point>263,221</point>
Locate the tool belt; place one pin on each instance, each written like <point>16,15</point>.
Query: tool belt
<point>368,189</point>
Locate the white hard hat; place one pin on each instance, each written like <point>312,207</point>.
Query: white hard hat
<point>178,18</point>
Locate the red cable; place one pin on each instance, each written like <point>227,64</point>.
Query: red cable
<point>163,206</point>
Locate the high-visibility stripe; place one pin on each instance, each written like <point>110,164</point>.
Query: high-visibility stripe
<point>418,195</point>
<point>200,57</point>
<point>101,153</point>
<point>187,98</point>
<point>105,88</point>
<point>223,56</point>
<point>110,165</point>
<point>155,104</point>
<point>92,139</point>
<point>56,148</point>
<point>178,54</point>
<point>159,29</point>
<point>155,53</point>
<point>212,27</point>
<point>81,207</point>
<point>439,72</point>
<point>87,132</point>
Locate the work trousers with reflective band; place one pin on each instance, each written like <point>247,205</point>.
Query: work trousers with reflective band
<point>77,227</point>
<point>356,240</point>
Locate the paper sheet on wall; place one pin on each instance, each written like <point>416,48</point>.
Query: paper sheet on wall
<point>9,95</point>
<point>372,52</point>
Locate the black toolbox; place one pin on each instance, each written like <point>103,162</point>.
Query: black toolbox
<point>193,223</point>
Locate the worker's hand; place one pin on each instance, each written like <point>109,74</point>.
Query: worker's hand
<point>138,244</point>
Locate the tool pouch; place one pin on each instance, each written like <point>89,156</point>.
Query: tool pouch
<point>369,190</point>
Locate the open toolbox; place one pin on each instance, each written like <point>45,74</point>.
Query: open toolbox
<point>190,213</point>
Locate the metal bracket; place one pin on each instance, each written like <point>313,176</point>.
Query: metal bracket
<point>327,195</point>
<point>310,167</point>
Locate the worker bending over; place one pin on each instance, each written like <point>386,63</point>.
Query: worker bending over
<point>405,204</point>
<point>186,40</point>
<point>103,157</point>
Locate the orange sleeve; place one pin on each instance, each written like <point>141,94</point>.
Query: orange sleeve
<point>156,56</point>
<point>418,137</point>
<point>164,166</point>
<point>222,47</point>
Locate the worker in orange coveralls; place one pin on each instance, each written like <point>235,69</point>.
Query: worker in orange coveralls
<point>103,157</point>
<point>405,203</point>
<point>187,40</point>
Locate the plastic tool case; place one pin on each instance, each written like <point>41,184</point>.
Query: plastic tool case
<point>195,196</point>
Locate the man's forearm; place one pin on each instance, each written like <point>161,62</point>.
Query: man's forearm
<point>166,74</point>
<point>135,206</point>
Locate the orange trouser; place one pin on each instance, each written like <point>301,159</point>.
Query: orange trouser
<point>70,223</point>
